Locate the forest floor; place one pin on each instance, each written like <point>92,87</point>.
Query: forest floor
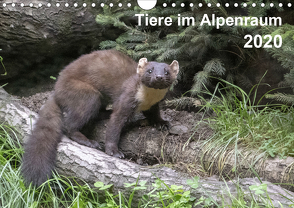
<point>146,145</point>
<point>182,127</point>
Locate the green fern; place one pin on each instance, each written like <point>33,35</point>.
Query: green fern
<point>183,102</point>
<point>202,51</point>
<point>285,98</point>
<point>285,55</point>
<point>215,66</point>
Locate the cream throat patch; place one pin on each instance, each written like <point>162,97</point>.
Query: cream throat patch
<point>147,97</point>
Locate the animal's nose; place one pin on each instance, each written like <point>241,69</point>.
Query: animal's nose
<point>159,77</point>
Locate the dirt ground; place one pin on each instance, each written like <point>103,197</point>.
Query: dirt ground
<point>35,102</point>
<point>183,122</point>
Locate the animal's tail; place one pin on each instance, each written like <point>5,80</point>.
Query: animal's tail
<point>40,150</point>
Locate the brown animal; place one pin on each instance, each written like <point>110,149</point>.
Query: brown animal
<point>82,88</point>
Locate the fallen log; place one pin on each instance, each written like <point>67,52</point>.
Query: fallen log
<point>92,165</point>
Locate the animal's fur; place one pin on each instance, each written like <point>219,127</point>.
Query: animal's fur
<point>83,87</point>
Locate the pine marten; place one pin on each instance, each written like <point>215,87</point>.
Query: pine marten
<point>82,88</point>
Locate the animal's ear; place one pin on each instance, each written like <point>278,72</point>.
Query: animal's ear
<point>175,67</point>
<point>141,64</point>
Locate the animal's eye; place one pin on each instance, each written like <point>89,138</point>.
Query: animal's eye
<point>166,73</point>
<point>150,71</point>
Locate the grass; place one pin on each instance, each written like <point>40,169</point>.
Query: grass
<point>244,130</point>
<point>57,192</point>
<point>241,120</point>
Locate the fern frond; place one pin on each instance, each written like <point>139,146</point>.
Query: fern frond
<point>215,66</point>
<point>289,78</point>
<point>107,44</point>
<point>285,98</point>
<point>183,102</point>
<point>200,80</point>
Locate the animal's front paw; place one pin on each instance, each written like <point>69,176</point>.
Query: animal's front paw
<point>94,144</point>
<point>163,125</point>
<point>112,150</point>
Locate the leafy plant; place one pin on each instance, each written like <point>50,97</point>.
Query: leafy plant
<point>160,195</point>
<point>259,189</point>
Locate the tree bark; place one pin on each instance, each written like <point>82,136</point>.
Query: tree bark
<point>91,165</point>
<point>39,41</point>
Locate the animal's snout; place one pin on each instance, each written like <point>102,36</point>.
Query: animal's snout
<point>159,77</point>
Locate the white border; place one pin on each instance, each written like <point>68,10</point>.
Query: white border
<point>67,5</point>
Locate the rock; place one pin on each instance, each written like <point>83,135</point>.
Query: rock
<point>178,129</point>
